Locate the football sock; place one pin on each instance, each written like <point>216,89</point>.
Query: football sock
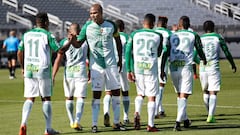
<point>206,100</point>
<point>138,104</point>
<point>69,109</point>
<point>157,100</point>
<point>151,109</point>
<point>106,103</point>
<point>47,111</point>
<point>79,109</point>
<point>126,103</point>
<point>13,70</point>
<point>27,107</point>
<point>116,108</point>
<point>95,111</point>
<point>161,90</point>
<point>212,104</point>
<point>10,71</point>
<point>182,105</point>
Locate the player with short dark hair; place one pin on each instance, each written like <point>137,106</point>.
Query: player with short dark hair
<point>75,77</point>
<point>162,28</point>
<point>143,49</point>
<point>210,75</point>
<point>180,52</point>
<point>34,56</point>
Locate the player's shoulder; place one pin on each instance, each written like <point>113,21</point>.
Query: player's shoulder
<point>123,34</point>
<point>213,34</point>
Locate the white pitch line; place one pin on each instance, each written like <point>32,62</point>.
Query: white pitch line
<point>191,105</point>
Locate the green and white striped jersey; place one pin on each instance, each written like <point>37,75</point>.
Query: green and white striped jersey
<point>100,41</point>
<point>182,44</point>
<point>75,63</point>
<point>212,42</point>
<point>37,45</point>
<point>166,36</point>
<point>144,45</point>
<point>124,39</point>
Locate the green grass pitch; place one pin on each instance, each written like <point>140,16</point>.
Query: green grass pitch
<point>227,112</point>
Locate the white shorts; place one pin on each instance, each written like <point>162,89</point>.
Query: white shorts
<point>147,85</point>
<point>165,70</point>
<point>35,87</point>
<point>107,79</point>
<point>76,87</point>
<point>124,81</point>
<point>210,81</point>
<point>182,80</point>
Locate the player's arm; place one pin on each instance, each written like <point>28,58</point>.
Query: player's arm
<point>195,57</point>
<point>129,60</point>
<point>56,65</point>
<point>60,54</point>
<point>4,44</point>
<point>227,54</point>
<point>20,55</point>
<point>81,38</point>
<point>119,50</point>
<point>198,46</point>
<point>166,54</point>
<point>160,47</point>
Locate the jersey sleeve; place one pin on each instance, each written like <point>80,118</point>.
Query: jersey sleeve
<point>226,51</point>
<point>21,45</point>
<point>53,43</point>
<point>82,34</point>
<point>198,46</point>
<point>62,42</point>
<point>128,55</point>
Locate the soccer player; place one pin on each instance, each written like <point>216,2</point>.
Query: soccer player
<point>34,56</point>
<point>146,46</point>
<point>123,81</point>
<point>75,77</point>
<point>180,51</point>
<point>11,45</point>
<point>99,34</point>
<point>210,76</point>
<point>162,28</point>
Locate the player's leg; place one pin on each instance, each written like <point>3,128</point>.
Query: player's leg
<point>151,89</point>
<point>98,83</point>
<point>68,85</point>
<point>80,93</point>
<point>113,83</point>
<point>45,86</point>
<point>106,107</point>
<point>125,96</point>
<point>138,100</point>
<point>30,92</point>
<point>159,111</point>
<point>184,89</point>
<point>214,87</point>
<point>194,65</point>
<point>204,84</point>
<point>13,63</point>
<point>10,65</point>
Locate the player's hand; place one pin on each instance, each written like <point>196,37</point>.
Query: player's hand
<point>22,71</point>
<point>53,80</point>
<point>234,68</point>
<point>204,62</point>
<point>120,66</point>
<point>72,38</point>
<point>89,76</point>
<point>131,77</point>
<point>163,75</point>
